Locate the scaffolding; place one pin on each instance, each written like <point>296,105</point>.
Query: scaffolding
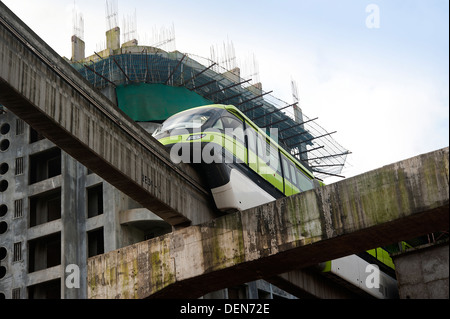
<point>305,139</point>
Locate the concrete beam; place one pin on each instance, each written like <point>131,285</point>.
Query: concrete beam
<point>384,206</point>
<point>45,91</point>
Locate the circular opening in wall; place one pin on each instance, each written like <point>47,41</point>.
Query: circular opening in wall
<point>2,295</point>
<point>2,271</point>
<point>4,145</point>
<point>3,210</point>
<point>4,167</point>
<point>3,186</point>
<point>2,253</point>
<point>4,129</point>
<point>3,227</point>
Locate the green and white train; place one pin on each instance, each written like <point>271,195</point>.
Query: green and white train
<point>245,167</point>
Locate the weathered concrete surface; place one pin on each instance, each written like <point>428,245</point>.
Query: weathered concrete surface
<point>422,272</point>
<point>41,88</point>
<point>384,206</point>
<point>308,283</point>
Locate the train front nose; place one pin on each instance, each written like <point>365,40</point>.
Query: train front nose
<point>183,148</point>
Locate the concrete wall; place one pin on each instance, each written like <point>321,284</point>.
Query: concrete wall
<point>422,272</point>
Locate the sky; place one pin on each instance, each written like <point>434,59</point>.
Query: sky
<point>377,71</point>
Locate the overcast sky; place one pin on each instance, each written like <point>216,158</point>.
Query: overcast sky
<point>377,72</point>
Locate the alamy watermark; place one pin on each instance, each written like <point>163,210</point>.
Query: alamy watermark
<point>72,276</point>
<point>373,277</point>
<point>373,19</point>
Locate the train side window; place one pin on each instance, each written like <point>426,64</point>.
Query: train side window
<point>286,173</point>
<point>304,182</point>
<point>236,126</point>
<point>293,175</point>
<point>229,122</point>
<point>261,148</point>
<point>250,135</point>
<point>299,178</point>
<point>275,160</point>
<point>267,154</point>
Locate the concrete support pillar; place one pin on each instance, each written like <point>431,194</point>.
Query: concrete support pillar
<point>113,39</point>
<point>255,88</point>
<point>78,49</point>
<point>422,272</point>
<point>233,75</point>
<point>72,236</point>
<point>111,226</point>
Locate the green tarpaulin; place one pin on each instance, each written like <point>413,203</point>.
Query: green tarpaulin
<point>156,102</point>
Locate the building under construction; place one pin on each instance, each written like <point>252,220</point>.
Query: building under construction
<point>55,212</point>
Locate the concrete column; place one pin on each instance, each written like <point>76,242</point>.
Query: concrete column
<point>422,272</point>
<point>114,201</point>
<point>233,75</point>
<point>113,39</point>
<point>255,88</point>
<point>81,213</point>
<point>110,218</point>
<point>72,238</point>
<point>78,49</point>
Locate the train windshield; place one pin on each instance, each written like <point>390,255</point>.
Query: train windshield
<point>193,119</point>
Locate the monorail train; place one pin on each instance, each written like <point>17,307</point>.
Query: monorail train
<point>243,166</point>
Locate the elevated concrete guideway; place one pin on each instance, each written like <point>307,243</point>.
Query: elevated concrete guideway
<point>41,88</point>
<point>394,203</point>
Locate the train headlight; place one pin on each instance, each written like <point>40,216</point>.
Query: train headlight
<point>196,137</point>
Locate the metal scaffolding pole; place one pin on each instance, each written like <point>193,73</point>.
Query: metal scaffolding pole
<point>196,75</point>
<point>327,165</point>
<point>226,88</point>
<point>307,151</point>
<point>285,129</point>
<point>95,72</point>
<point>204,84</point>
<point>270,124</point>
<point>295,135</point>
<point>252,108</point>
<point>326,173</point>
<point>174,69</point>
<point>121,69</point>
<point>322,157</point>
<point>277,110</point>
<point>229,98</point>
<point>255,97</point>
<point>312,139</point>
